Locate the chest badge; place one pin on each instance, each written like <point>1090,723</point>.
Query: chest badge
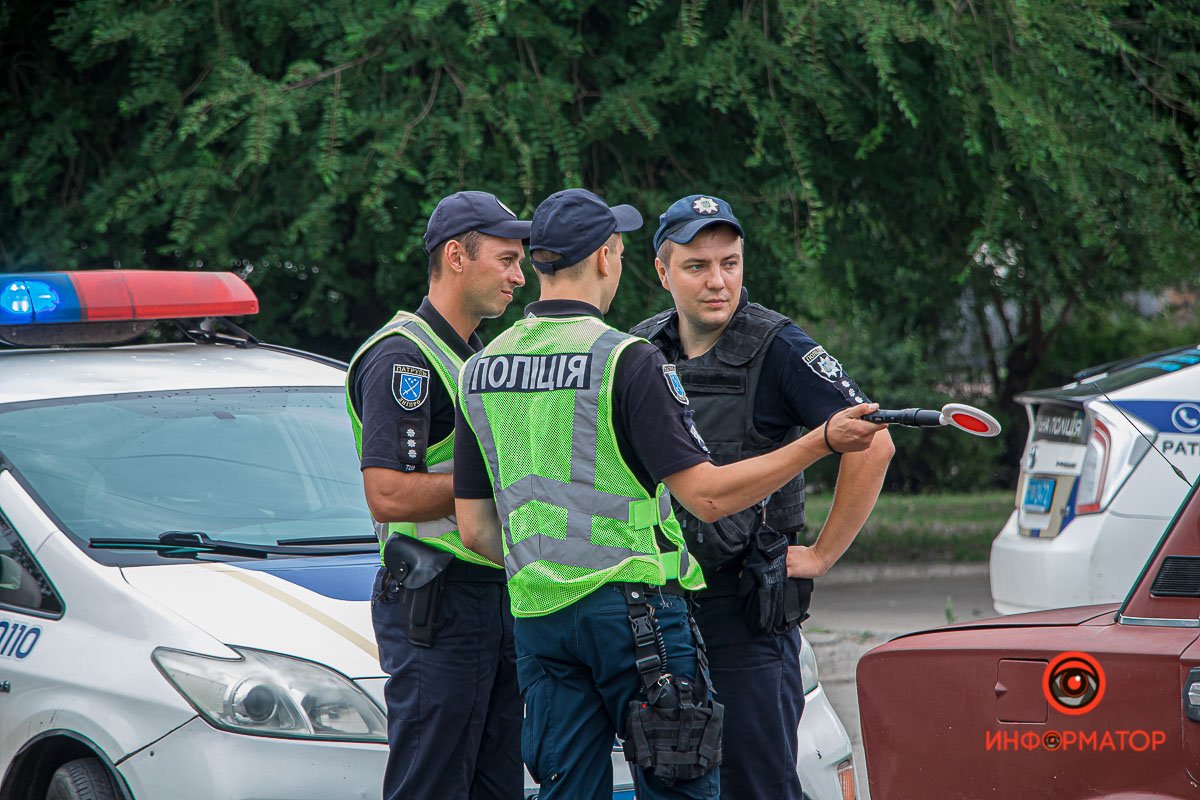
<point>705,205</point>
<point>674,384</point>
<point>410,386</point>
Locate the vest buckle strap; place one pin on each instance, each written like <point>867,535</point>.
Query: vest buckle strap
<point>649,512</point>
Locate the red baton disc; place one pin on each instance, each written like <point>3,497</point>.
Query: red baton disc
<point>970,423</point>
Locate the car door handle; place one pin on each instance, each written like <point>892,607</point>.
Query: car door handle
<point>5,687</point>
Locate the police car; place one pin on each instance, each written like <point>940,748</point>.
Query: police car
<point>1093,500</point>
<point>186,558</point>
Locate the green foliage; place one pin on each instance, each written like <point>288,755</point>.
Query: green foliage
<point>938,190</point>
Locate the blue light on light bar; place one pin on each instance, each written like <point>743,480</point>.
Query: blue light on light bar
<point>38,297</point>
<point>16,306</point>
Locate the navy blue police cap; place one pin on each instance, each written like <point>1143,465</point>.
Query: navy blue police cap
<point>575,223</point>
<point>689,215</point>
<point>472,211</point>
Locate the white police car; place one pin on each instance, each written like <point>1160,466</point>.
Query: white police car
<point>1092,500</point>
<point>186,558</point>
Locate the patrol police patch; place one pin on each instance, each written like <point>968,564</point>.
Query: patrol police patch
<point>674,384</point>
<point>823,364</point>
<point>410,386</point>
<point>705,205</point>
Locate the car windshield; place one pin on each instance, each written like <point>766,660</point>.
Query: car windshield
<point>247,465</point>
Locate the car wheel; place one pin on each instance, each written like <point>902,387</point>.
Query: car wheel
<point>82,779</point>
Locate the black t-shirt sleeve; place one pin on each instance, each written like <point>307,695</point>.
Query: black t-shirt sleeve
<point>654,428</point>
<point>395,436</point>
<point>471,481</point>
<point>802,384</point>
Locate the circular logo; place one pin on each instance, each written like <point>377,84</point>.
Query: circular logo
<point>1032,458</point>
<point>1073,683</point>
<point>1186,417</point>
<point>705,205</point>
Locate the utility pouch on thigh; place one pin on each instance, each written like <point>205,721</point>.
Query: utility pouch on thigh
<point>420,608</point>
<point>673,730</point>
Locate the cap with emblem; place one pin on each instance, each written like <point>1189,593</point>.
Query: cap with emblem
<point>575,223</point>
<point>689,215</point>
<point>472,211</point>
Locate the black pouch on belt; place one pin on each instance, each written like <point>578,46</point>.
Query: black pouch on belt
<point>420,571</point>
<point>674,729</point>
<point>763,582</point>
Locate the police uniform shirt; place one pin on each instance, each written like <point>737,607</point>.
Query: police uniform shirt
<point>800,385</point>
<point>651,425</point>
<point>393,437</point>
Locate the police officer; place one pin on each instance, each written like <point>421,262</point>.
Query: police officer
<point>755,380</point>
<point>440,611</point>
<point>569,435</point>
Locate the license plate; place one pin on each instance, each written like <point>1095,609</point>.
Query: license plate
<point>1039,493</point>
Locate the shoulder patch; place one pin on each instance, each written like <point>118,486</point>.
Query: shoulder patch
<point>823,364</point>
<point>674,384</point>
<point>410,386</point>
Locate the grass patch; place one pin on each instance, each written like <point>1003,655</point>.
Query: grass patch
<point>922,527</point>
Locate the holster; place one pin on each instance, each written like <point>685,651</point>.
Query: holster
<point>674,729</point>
<point>420,572</point>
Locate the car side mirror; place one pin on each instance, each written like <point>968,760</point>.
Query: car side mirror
<point>10,574</point>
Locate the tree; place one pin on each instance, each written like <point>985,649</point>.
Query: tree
<point>911,174</point>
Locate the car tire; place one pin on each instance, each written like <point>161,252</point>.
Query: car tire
<point>82,779</point>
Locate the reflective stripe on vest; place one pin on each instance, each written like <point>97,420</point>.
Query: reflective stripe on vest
<point>441,533</point>
<point>581,500</point>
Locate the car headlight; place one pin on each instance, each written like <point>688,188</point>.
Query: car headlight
<point>273,695</point>
<point>808,666</point>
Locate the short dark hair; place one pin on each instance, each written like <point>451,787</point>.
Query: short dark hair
<point>664,252</point>
<point>549,256</point>
<point>471,241</point>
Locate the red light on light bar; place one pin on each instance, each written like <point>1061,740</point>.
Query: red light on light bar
<point>158,294</point>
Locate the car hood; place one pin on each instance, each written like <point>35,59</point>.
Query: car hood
<point>1076,615</point>
<point>314,608</point>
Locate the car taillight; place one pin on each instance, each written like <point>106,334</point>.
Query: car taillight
<point>1095,465</point>
<point>845,775</point>
<point>1115,446</point>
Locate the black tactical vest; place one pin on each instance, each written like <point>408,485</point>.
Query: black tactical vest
<point>721,386</point>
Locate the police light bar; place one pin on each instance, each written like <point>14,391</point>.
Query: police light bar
<point>956,415</point>
<point>57,298</point>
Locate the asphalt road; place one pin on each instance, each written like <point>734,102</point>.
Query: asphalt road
<point>856,608</point>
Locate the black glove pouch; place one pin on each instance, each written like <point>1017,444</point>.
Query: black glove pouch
<point>763,582</point>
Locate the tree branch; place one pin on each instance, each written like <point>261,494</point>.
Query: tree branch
<point>329,73</point>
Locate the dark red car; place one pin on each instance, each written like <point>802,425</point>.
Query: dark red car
<point>1073,704</point>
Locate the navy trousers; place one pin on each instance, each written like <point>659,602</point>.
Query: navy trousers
<point>577,672</point>
<point>757,677</point>
<point>454,710</point>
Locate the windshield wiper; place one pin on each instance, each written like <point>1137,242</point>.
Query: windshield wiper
<point>188,544</point>
<point>313,542</point>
